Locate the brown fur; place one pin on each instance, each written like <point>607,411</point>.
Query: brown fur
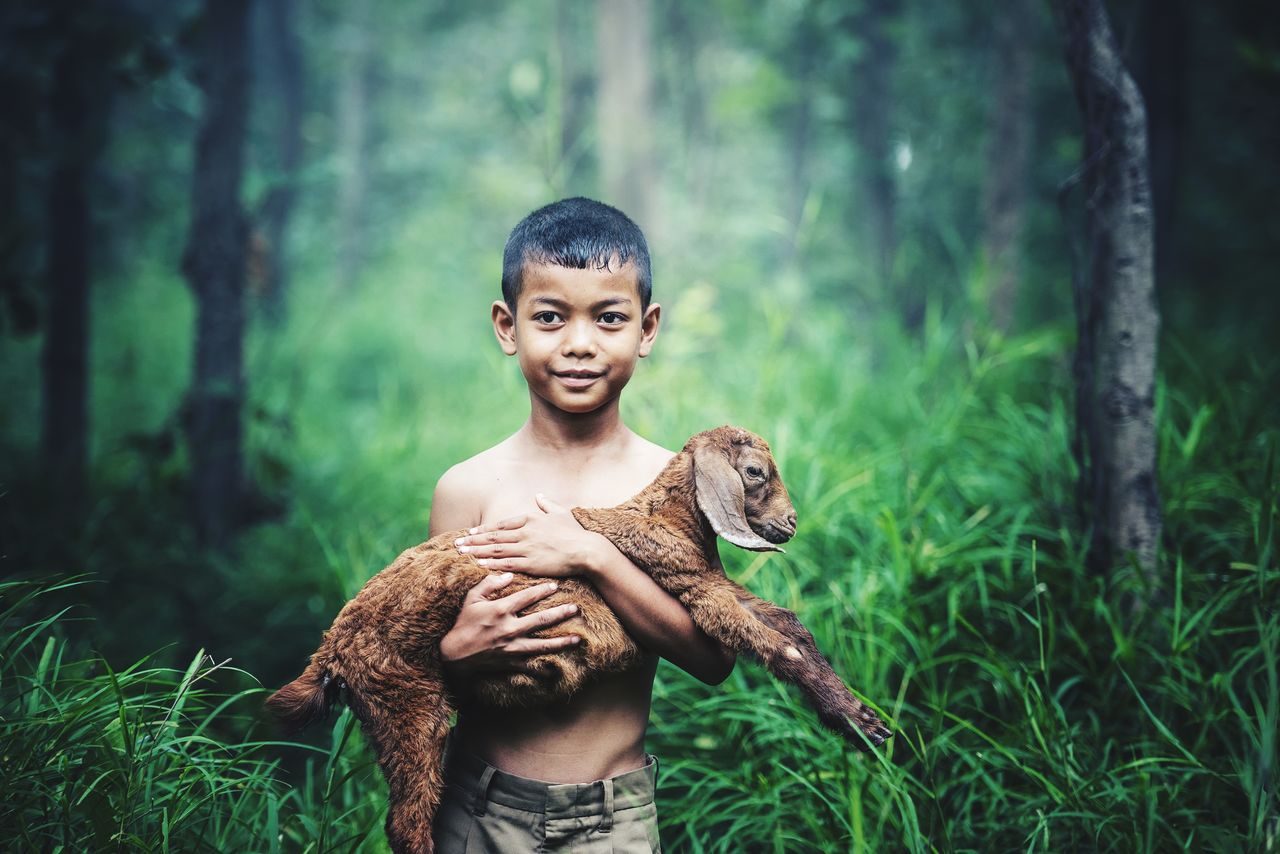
<point>384,646</point>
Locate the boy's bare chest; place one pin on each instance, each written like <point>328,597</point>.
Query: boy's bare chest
<point>511,492</point>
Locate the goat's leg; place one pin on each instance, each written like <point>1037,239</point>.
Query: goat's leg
<point>778,640</point>
<point>410,744</point>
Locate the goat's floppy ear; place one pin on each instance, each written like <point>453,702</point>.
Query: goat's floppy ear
<point>721,499</point>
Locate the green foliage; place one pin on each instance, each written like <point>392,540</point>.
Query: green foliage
<point>1036,707</point>
<point>938,563</point>
<point>151,758</point>
<point>939,559</point>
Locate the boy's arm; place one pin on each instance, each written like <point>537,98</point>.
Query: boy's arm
<point>656,618</point>
<point>553,544</point>
<point>488,634</point>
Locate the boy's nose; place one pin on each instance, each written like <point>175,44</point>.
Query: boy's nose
<point>579,341</point>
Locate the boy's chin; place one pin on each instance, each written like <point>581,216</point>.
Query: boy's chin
<point>580,404</point>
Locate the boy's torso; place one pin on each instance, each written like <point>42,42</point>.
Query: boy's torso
<point>600,733</point>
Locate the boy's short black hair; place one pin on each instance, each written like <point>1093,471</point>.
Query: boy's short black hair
<point>574,233</point>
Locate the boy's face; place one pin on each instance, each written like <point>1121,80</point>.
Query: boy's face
<point>577,333</point>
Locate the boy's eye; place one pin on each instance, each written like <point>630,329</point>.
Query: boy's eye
<point>613,318</point>
<point>546,317</point>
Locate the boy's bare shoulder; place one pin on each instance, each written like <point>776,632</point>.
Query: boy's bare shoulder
<point>650,455</point>
<point>638,466</point>
<point>464,488</point>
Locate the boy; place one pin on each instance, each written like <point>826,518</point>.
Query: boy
<point>576,313</point>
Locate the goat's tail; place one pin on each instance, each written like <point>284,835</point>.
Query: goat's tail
<point>307,699</point>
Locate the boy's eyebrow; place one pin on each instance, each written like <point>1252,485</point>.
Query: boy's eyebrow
<point>604,303</point>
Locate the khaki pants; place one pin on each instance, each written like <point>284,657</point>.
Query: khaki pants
<point>487,811</point>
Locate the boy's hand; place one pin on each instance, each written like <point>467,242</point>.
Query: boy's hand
<point>550,544</point>
<point>490,634</point>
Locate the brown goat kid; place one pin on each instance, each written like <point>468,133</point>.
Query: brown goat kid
<point>384,646</point>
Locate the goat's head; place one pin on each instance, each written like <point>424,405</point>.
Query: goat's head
<point>739,490</point>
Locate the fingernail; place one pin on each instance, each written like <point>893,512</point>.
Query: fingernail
<point>464,549</point>
<point>472,530</point>
<point>574,639</point>
<point>459,541</point>
<point>482,561</point>
<point>552,586</point>
<point>504,576</point>
<point>573,609</point>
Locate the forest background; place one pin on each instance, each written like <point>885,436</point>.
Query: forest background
<point>866,220</point>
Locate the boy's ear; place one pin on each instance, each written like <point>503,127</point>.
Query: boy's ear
<point>649,328</point>
<point>504,326</point>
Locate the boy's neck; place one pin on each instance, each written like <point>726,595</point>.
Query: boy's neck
<point>554,429</point>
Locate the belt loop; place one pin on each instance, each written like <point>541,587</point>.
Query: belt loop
<point>481,795</point>
<point>606,818</point>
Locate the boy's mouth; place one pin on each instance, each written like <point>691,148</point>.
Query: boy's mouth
<point>578,378</point>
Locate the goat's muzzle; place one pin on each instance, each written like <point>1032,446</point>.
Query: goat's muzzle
<point>780,529</point>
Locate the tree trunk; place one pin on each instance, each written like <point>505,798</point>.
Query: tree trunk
<point>214,264</point>
<point>281,39</point>
<point>353,142</point>
<point>1004,201</point>
<point>1162,77</point>
<point>687,30</point>
<point>1118,319</point>
<point>78,122</point>
<point>576,85</point>
<point>870,103</point>
<point>624,109</point>
<point>802,61</point>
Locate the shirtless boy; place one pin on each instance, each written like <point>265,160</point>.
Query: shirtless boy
<point>576,313</point>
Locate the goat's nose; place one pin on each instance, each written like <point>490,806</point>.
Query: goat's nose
<point>791,519</point>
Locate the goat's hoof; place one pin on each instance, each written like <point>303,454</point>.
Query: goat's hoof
<point>870,735</point>
<point>879,735</point>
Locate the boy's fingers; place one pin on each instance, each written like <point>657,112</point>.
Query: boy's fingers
<point>546,617</point>
<point>489,552</point>
<point>521,599</point>
<point>505,525</point>
<point>490,584</point>
<point>533,646</point>
<point>511,563</point>
<point>472,545</point>
<point>546,504</point>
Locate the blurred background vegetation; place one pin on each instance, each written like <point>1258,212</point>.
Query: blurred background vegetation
<point>863,254</point>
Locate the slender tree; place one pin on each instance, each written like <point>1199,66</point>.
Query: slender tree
<point>1004,201</point>
<point>214,264</point>
<point>1115,297</point>
<point>576,87</point>
<point>78,110</point>
<point>66,342</point>
<point>687,30</point>
<point>1164,31</point>
<point>870,99</point>
<point>353,111</point>
<point>801,58</point>
<point>280,25</point>
<point>624,108</point>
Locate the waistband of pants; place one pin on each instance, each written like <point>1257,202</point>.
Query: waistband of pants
<point>484,783</point>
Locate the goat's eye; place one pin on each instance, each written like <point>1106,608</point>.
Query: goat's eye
<point>755,471</point>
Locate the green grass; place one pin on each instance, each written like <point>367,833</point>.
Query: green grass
<point>939,563</point>
<point>1036,708</point>
<point>152,758</point>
